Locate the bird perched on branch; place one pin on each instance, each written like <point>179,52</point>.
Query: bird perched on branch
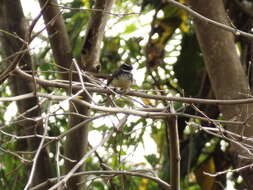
<point>122,77</point>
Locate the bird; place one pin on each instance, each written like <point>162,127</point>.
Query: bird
<point>122,77</point>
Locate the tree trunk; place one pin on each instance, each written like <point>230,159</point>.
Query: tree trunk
<point>225,71</point>
<point>12,20</point>
<point>58,36</point>
<point>76,143</point>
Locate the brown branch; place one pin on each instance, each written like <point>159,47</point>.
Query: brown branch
<point>174,151</point>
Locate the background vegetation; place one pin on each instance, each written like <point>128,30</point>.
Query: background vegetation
<point>191,96</point>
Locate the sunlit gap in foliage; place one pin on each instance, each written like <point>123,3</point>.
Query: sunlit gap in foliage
<point>173,49</point>
<point>31,10</point>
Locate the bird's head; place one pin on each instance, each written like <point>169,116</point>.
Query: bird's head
<point>126,67</point>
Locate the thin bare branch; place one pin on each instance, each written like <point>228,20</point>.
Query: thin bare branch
<point>229,170</point>
<point>98,10</point>
<point>138,94</point>
<point>35,159</point>
<point>81,162</point>
<point>193,13</point>
<point>111,172</point>
<point>14,154</point>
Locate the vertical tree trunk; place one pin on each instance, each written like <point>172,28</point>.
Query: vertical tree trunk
<point>225,71</point>
<point>174,150</point>
<point>12,20</point>
<point>58,36</point>
<point>76,143</point>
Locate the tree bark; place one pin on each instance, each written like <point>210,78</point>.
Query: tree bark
<point>76,143</point>
<point>174,150</point>
<point>225,71</point>
<point>58,36</point>
<point>94,35</point>
<point>12,20</point>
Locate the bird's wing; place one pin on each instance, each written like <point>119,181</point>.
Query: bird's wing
<point>112,77</point>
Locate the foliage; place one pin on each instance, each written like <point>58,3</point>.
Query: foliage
<point>170,59</point>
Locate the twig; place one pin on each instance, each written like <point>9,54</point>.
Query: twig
<point>98,10</point>
<point>86,156</point>
<point>57,161</point>
<point>26,136</point>
<point>81,80</point>
<point>229,170</point>
<point>140,112</point>
<point>29,182</point>
<point>14,154</point>
<point>234,135</point>
<point>79,125</point>
<point>80,163</point>
<point>130,173</point>
<point>16,53</point>
<point>239,143</point>
<point>138,94</point>
<point>210,21</point>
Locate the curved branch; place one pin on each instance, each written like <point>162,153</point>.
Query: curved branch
<point>210,21</point>
<point>130,173</point>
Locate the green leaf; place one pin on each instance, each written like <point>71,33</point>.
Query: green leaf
<point>130,28</point>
